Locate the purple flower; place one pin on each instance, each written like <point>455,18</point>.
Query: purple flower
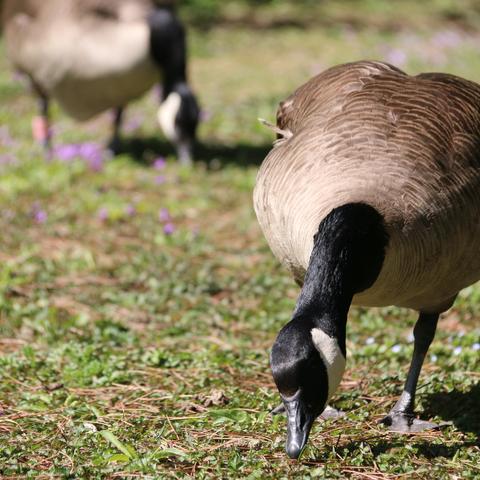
<point>169,228</point>
<point>433,358</point>
<point>457,350</point>
<point>130,210</point>
<point>396,348</point>
<point>205,115</point>
<point>39,215</point>
<point>396,57</point>
<point>5,138</point>
<point>410,337</point>
<point>67,152</point>
<point>19,77</point>
<point>447,39</point>
<point>88,150</point>
<point>164,215</point>
<point>369,341</point>
<point>159,163</point>
<point>133,124</point>
<point>92,153</point>
<point>476,347</point>
<point>103,214</point>
<point>96,163</point>
<point>160,179</point>
<point>7,159</point>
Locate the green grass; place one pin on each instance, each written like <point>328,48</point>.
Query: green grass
<point>126,352</point>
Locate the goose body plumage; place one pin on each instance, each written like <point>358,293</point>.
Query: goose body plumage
<point>409,146</point>
<point>90,55</point>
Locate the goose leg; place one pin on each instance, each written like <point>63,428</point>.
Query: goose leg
<point>402,417</point>
<point>41,124</point>
<point>115,142</point>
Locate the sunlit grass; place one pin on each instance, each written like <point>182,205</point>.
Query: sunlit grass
<point>129,348</point>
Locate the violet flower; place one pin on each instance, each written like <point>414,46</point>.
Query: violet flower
<point>159,163</point>
<point>130,210</point>
<point>164,215</point>
<point>103,214</point>
<point>133,124</point>
<point>66,152</point>
<point>169,228</point>
<point>5,138</point>
<point>7,159</point>
<point>92,153</point>
<point>39,215</point>
<point>447,39</point>
<point>396,57</point>
<point>160,179</point>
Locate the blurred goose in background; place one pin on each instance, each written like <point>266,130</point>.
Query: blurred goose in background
<point>370,196</point>
<point>93,55</point>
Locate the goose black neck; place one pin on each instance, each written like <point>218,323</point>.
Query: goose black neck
<point>168,47</point>
<point>347,256</point>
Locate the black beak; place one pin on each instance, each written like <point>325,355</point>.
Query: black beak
<point>300,419</point>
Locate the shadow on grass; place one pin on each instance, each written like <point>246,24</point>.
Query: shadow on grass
<point>461,408</point>
<point>143,150</point>
<point>424,447</point>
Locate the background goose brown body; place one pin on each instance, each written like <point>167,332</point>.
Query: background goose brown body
<point>75,50</point>
<point>409,147</point>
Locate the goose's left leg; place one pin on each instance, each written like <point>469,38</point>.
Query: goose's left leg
<point>115,142</point>
<point>41,124</point>
<point>402,417</point>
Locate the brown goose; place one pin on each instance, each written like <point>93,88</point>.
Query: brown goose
<point>93,55</point>
<point>370,196</point>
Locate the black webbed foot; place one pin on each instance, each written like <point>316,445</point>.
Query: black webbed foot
<point>407,423</point>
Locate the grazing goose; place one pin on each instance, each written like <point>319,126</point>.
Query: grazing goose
<point>370,196</point>
<point>93,55</point>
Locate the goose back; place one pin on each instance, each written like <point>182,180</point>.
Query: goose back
<point>75,50</point>
<point>409,147</point>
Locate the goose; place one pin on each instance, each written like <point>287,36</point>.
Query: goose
<point>370,196</point>
<point>94,55</point>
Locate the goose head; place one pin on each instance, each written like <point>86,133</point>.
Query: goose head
<point>307,366</point>
<point>178,116</point>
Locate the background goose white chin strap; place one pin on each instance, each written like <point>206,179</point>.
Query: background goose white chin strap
<point>167,113</point>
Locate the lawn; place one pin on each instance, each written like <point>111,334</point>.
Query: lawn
<point>139,300</point>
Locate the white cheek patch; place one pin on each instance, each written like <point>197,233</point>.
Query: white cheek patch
<point>167,113</point>
<point>332,357</point>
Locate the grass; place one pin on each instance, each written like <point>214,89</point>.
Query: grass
<point>126,352</point>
